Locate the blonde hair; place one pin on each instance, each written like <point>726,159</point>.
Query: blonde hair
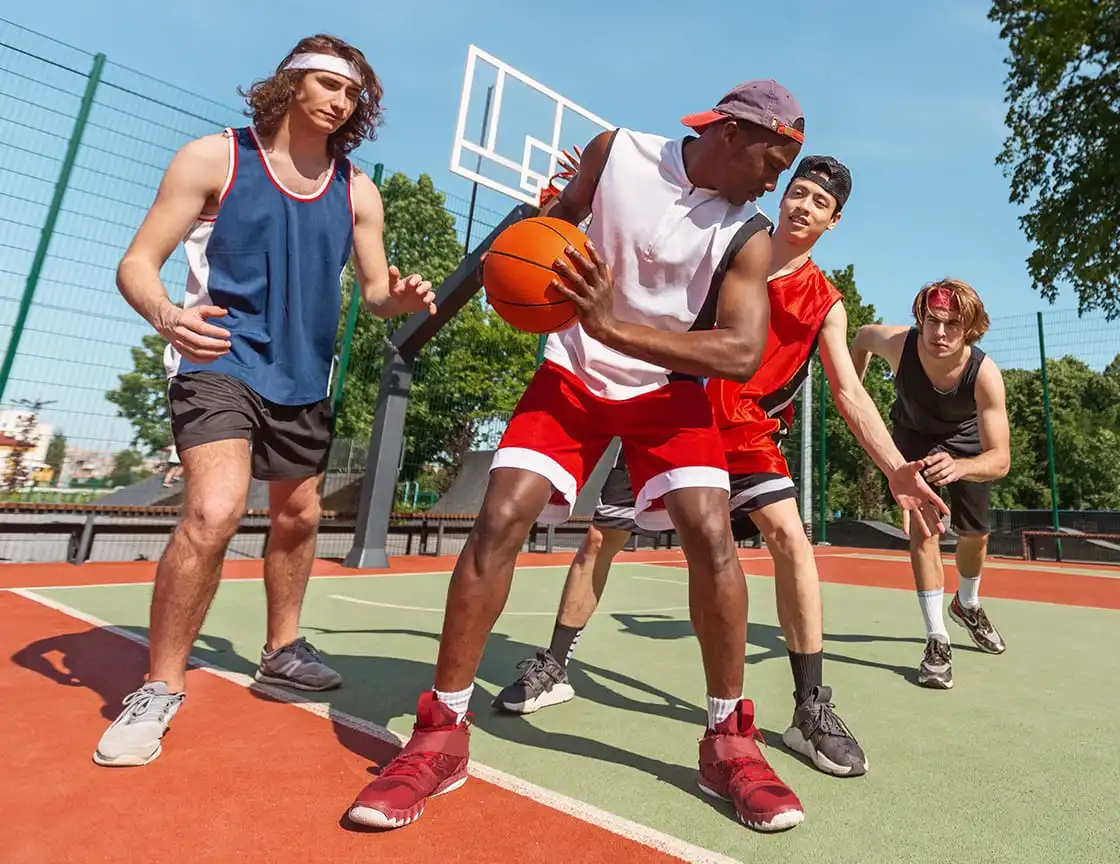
<point>974,318</point>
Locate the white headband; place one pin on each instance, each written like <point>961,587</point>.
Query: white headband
<point>326,63</point>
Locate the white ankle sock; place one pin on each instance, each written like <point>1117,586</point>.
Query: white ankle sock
<point>969,591</point>
<point>719,710</point>
<point>458,701</point>
<point>931,602</point>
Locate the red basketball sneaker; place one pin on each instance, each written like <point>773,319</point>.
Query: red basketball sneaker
<point>733,768</point>
<point>433,762</point>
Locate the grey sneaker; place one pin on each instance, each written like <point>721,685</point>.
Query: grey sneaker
<point>134,737</point>
<point>544,682</point>
<point>821,736</point>
<point>937,665</point>
<point>980,629</point>
<point>298,665</point>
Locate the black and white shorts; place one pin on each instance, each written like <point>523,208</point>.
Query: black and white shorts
<point>968,502</point>
<point>288,442</point>
<point>749,492</point>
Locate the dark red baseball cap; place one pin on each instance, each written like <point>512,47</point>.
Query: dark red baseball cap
<point>764,103</point>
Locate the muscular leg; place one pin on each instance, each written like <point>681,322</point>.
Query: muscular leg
<point>972,551</point>
<point>717,588</point>
<point>484,572</point>
<point>544,680</point>
<point>798,589</point>
<point>188,573</point>
<point>294,509</point>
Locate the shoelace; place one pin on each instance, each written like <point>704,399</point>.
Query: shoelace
<point>826,721</point>
<point>305,650</point>
<point>139,701</point>
<point>982,622</point>
<point>408,765</point>
<point>937,650</point>
<point>536,671</point>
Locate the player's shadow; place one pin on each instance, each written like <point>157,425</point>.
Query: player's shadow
<point>109,664</point>
<point>770,639</point>
<point>382,688</point>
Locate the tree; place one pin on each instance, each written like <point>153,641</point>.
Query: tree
<point>56,455</point>
<point>142,395</point>
<point>474,369</point>
<point>126,468</point>
<point>1063,153</point>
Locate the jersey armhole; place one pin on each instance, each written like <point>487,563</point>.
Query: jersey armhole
<point>599,175</point>
<point>231,169</point>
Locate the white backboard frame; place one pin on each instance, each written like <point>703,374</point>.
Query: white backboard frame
<point>531,182</point>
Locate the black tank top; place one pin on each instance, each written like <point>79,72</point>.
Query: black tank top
<point>949,417</point>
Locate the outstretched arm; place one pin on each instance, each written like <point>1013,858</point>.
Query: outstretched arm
<point>863,418</point>
<point>385,292</point>
<point>732,349</point>
<point>878,340</point>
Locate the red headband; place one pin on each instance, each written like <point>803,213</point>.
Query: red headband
<point>943,299</point>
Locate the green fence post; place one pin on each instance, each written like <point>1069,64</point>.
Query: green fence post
<point>540,348</point>
<point>351,322</point>
<point>1049,436</point>
<point>47,232</point>
<point>822,460</point>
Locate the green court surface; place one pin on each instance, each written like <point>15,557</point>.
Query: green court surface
<point>1015,764</point>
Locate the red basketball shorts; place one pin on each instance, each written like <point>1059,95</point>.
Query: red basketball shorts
<point>560,430</point>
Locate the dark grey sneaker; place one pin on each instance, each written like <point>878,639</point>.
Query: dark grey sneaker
<point>983,633</point>
<point>134,737</point>
<point>819,734</point>
<point>298,665</point>
<point>543,682</point>
<point>936,670</point>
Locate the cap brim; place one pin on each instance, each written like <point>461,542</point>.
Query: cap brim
<point>704,118</point>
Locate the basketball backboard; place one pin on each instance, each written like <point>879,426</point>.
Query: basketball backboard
<point>540,123</point>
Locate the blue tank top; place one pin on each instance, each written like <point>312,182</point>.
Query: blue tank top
<point>274,260</point>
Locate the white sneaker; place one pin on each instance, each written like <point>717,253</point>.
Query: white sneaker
<point>134,737</point>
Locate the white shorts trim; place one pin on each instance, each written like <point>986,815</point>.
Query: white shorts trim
<point>551,470</point>
<point>766,487</point>
<point>670,481</point>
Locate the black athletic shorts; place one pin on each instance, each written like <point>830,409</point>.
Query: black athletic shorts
<point>288,442</point>
<point>749,492</point>
<point>968,502</point>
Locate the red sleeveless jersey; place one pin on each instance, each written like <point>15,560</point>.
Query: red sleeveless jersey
<point>755,416</point>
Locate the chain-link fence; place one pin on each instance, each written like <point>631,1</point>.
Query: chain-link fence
<point>83,145</point>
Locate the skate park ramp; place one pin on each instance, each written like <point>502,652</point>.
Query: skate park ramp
<point>466,493</point>
<point>871,534</point>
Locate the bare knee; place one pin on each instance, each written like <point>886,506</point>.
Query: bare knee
<point>297,519</point>
<point>210,524</point>
<point>705,532</point>
<point>787,540</point>
<point>592,544</point>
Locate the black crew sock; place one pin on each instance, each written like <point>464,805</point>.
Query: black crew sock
<point>564,641</point>
<point>807,673</point>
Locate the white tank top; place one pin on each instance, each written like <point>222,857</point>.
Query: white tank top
<point>665,242</point>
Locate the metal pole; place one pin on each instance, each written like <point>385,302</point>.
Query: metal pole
<point>351,322</point>
<point>807,453</point>
<point>52,217</point>
<point>1049,435</point>
<point>541,340</point>
<point>822,457</point>
<point>478,167</point>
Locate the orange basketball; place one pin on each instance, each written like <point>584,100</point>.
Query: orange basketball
<point>518,271</point>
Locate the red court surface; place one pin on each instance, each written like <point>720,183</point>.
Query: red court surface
<point>287,775</point>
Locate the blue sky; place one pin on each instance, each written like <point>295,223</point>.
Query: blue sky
<point>908,95</point>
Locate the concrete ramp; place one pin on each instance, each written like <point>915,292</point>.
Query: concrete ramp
<point>149,492</point>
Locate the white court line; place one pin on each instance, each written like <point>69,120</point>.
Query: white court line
<point>589,813</point>
<point>551,614</point>
<point>361,574</point>
<point>656,579</point>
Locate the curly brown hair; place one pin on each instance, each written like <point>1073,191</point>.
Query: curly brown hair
<point>270,98</point>
<point>974,317</point>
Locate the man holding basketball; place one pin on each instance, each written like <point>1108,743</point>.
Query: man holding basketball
<point>674,291</point>
<point>268,215</point>
<point>806,310</point>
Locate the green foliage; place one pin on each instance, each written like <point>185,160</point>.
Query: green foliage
<point>126,468</point>
<point>473,370</point>
<point>1063,153</point>
<point>142,396</point>
<point>56,454</point>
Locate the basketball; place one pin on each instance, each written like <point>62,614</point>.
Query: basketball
<point>518,270</point>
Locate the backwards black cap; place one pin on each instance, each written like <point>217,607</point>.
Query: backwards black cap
<point>828,173</point>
